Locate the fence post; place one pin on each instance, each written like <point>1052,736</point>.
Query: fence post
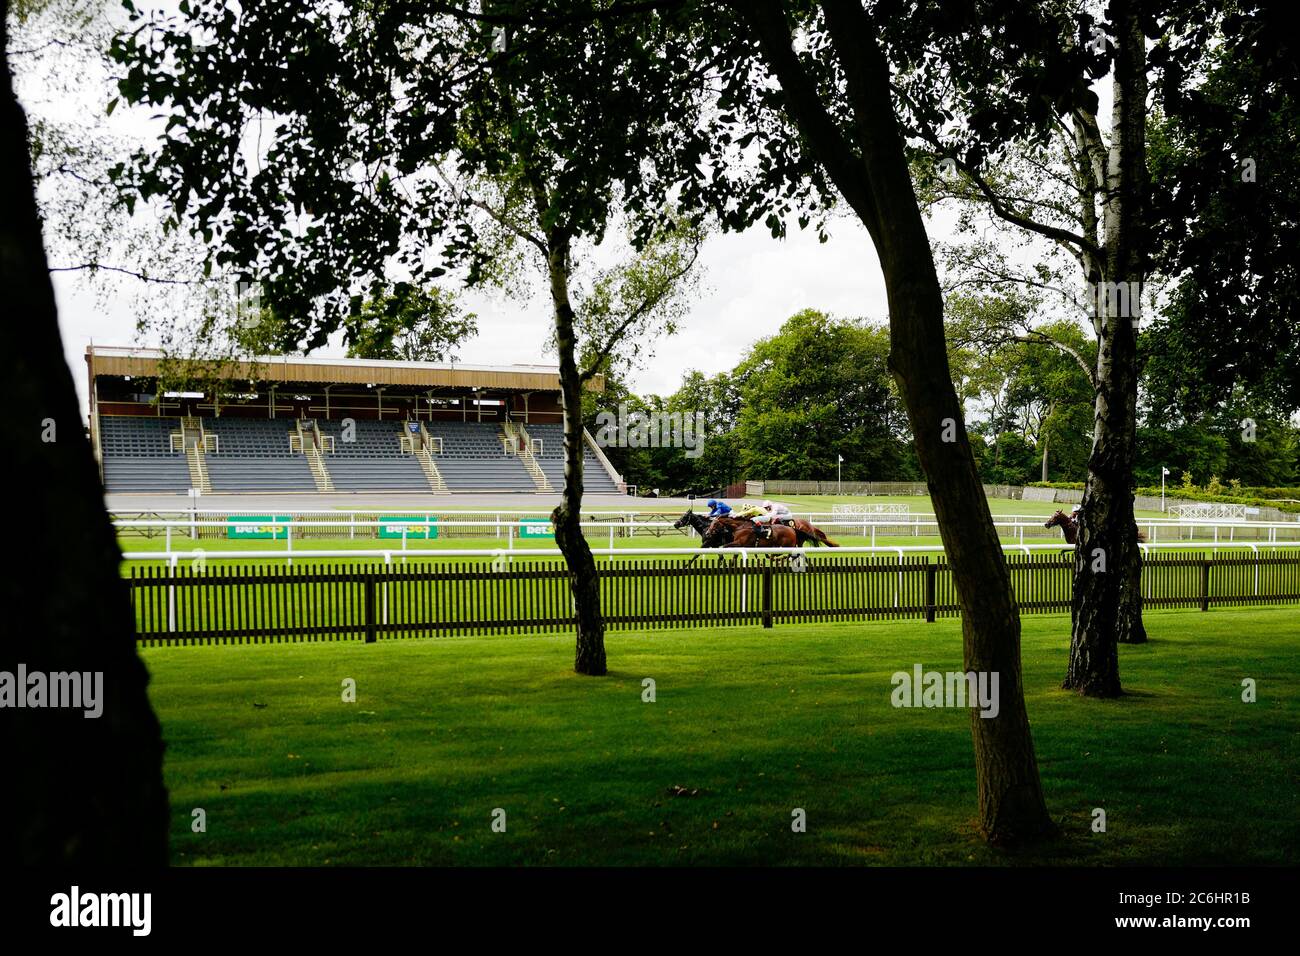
<point>371,634</point>
<point>767,595</point>
<point>744,582</point>
<point>931,571</point>
<point>171,596</point>
<point>1205,584</point>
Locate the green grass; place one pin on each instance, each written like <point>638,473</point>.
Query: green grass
<point>754,723</point>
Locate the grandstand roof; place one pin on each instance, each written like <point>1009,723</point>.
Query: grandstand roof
<point>149,363</point>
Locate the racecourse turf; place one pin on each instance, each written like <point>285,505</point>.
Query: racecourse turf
<point>747,726</point>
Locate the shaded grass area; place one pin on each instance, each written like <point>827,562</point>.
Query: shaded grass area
<point>747,726</point>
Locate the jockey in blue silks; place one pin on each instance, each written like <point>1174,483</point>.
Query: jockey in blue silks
<point>718,509</point>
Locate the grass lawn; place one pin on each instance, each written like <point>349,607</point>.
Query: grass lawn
<point>750,723</point>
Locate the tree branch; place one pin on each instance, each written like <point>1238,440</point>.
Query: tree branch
<point>498,216</point>
<point>1035,337</point>
<point>646,305</point>
<point>767,21</point>
<point>1004,212</point>
<point>95,266</point>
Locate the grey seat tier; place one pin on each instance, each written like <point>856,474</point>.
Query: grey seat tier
<point>474,458</point>
<point>130,475</point>
<point>250,437</point>
<point>595,478</point>
<point>364,439</point>
<point>138,456</point>
<point>260,474</point>
<point>401,473</point>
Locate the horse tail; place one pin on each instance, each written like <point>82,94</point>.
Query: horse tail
<point>821,536</point>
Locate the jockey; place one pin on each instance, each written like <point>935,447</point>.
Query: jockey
<point>778,512</point>
<point>718,509</point>
<point>757,514</point>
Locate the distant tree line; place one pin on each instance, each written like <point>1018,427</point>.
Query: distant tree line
<point>820,388</point>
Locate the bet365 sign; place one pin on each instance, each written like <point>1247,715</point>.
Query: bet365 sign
<point>258,526</point>
<point>411,527</point>
<point>536,528</point>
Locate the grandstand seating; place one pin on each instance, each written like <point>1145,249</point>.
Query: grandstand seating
<point>474,458</point>
<point>373,460</point>
<point>138,455</point>
<point>253,455</point>
<point>595,479</point>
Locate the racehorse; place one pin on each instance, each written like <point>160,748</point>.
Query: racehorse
<point>736,533</point>
<point>807,531</point>
<point>743,533</point>
<point>701,524</point>
<point>1069,526</point>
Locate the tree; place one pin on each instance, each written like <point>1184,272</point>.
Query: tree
<point>717,399</point>
<point>408,324</point>
<point>854,85</point>
<point>85,792</point>
<point>818,389</point>
<point>1085,192</point>
<point>380,129</point>
<point>1111,201</point>
<point>1226,228</point>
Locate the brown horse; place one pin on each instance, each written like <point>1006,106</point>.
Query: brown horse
<point>807,531</point>
<point>743,533</point>
<point>702,524</point>
<point>1069,526</point>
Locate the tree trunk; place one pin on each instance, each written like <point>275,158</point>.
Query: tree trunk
<point>1107,604</point>
<point>870,170</point>
<point>584,584</point>
<point>78,791</point>
<point>1044,473</point>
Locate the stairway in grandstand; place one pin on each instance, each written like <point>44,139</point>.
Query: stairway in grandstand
<point>423,445</point>
<point>308,441</point>
<point>368,456</point>
<point>519,443</point>
<point>252,454</point>
<point>550,456</point>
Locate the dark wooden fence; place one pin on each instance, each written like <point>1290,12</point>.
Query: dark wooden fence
<point>322,603</point>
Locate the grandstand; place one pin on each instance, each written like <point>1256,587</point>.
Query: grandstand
<point>297,425</point>
<point>550,456</point>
